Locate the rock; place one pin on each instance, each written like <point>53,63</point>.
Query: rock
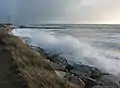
<point>61,74</point>
<point>104,87</point>
<point>95,73</point>
<point>83,70</point>
<point>22,26</point>
<point>88,74</point>
<point>72,85</point>
<point>90,82</point>
<point>36,48</point>
<point>74,80</point>
<point>26,40</point>
<point>110,80</point>
<point>79,74</point>
<point>57,59</point>
<point>56,66</point>
<point>69,67</point>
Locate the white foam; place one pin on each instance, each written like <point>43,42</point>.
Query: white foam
<point>71,48</point>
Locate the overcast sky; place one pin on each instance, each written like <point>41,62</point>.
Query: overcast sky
<point>60,11</point>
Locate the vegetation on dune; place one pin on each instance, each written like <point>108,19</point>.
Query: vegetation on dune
<point>30,67</point>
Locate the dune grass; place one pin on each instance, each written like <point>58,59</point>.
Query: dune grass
<point>31,68</point>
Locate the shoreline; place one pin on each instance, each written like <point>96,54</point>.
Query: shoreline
<point>38,69</point>
<point>33,69</point>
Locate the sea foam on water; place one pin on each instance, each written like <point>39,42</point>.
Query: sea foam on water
<point>71,48</point>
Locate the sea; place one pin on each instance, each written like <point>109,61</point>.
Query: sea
<point>96,45</point>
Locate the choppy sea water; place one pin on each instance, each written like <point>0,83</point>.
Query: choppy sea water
<point>93,47</point>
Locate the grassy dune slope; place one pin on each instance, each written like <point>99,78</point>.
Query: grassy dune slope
<point>27,68</point>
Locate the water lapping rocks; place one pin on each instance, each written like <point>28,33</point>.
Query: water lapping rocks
<point>79,75</point>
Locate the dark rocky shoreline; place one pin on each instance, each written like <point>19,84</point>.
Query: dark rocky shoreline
<point>82,75</point>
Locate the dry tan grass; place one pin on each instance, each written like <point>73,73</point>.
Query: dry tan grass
<point>33,70</point>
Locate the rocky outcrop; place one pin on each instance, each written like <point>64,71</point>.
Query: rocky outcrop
<point>81,75</point>
<point>110,80</point>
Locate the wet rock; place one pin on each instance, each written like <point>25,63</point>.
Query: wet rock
<point>57,59</point>
<point>80,75</point>
<point>22,26</point>
<point>56,66</point>
<point>74,80</point>
<point>37,48</point>
<point>110,80</point>
<point>69,67</point>
<point>83,70</point>
<point>96,73</point>
<point>103,87</point>
<point>91,82</point>
<point>88,74</point>
<point>26,40</point>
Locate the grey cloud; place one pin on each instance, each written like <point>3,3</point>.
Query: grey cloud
<point>60,11</point>
<point>7,7</point>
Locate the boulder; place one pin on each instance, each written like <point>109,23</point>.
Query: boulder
<point>91,82</point>
<point>96,73</point>
<point>74,80</point>
<point>68,67</point>
<point>110,80</point>
<point>56,58</point>
<point>37,48</point>
<point>56,66</point>
<point>83,70</point>
<point>103,87</point>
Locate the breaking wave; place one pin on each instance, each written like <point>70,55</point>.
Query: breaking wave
<point>71,48</point>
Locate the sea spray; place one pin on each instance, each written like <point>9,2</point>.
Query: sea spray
<point>71,48</point>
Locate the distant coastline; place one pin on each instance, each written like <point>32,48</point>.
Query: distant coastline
<point>65,26</point>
